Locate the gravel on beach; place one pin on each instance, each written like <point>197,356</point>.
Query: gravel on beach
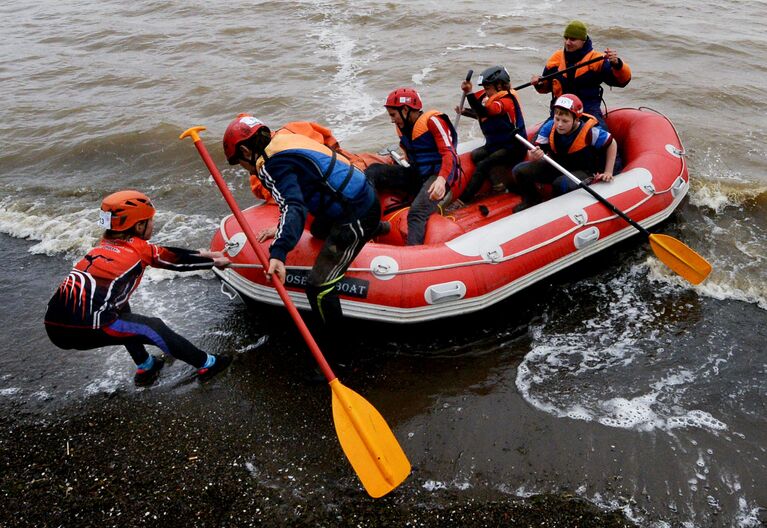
<point>205,458</point>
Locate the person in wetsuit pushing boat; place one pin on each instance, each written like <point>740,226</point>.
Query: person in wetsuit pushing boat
<point>90,307</point>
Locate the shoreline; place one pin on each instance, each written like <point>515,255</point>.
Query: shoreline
<point>151,459</point>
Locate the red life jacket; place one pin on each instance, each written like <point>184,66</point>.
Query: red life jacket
<point>101,283</point>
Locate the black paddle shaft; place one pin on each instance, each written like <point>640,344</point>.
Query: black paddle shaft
<point>586,188</point>
<point>612,207</point>
<point>562,72</point>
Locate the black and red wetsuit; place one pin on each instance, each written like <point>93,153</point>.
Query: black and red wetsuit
<point>90,307</point>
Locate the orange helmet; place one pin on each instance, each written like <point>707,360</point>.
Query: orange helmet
<point>571,103</point>
<point>124,209</point>
<point>241,129</point>
<point>404,97</point>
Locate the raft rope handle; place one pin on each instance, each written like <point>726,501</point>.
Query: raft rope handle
<point>476,262</point>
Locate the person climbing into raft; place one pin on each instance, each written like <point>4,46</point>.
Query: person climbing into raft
<point>304,175</point>
<point>573,139</point>
<point>429,142</point>
<point>497,108</point>
<point>90,308</point>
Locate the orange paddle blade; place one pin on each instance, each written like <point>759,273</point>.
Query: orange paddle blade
<point>367,441</point>
<point>680,258</point>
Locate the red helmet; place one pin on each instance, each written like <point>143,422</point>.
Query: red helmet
<point>571,103</point>
<point>124,209</point>
<point>244,127</point>
<point>404,97</point>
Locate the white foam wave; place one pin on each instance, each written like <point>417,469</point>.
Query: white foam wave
<point>747,517</point>
<point>717,187</point>
<point>75,232</point>
<point>66,232</point>
<point>606,347</point>
<point>354,104</point>
<point>109,382</point>
<point>434,485</point>
<point>718,195</point>
<point>491,45</point>
<point>418,78</point>
<point>726,282</point>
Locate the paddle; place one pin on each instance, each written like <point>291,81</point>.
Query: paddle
<point>561,72</point>
<point>463,99</point>
<point>673,253</point>
<point>365,438</point>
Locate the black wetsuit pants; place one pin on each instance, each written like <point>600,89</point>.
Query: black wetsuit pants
<point>343,242</point>
<point>133,331</point>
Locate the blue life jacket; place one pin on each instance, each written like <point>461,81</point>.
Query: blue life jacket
<point>499,130</point>
<point>421,148</point>
<point>575,151</point>
<point>334,188</point>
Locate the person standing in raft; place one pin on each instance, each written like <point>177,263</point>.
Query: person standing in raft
<point>585,82</point>
<point>304,175</point>
<point>428,140</point>
<point>90,307</point>
<point>500,118</point>
<point>574,140</point>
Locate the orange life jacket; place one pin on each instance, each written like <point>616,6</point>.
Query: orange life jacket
<point>580,154</point>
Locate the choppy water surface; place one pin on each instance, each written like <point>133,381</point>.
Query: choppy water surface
<point>616,381</point>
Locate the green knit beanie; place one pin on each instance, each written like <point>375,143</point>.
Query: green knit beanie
<point>576,30</point>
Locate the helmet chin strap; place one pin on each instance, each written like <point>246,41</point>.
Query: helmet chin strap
<point>407,126</point>
<point>255,153</point>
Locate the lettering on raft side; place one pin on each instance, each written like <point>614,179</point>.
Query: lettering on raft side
<point>347,286</point>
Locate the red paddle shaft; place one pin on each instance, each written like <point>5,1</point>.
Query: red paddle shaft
<point>251,236</point>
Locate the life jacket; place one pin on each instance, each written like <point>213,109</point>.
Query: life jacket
<point>320,134</point>
<point>499,129</point>
<point>334,185</point>
<point>421,147</point>
<point>580,154</point>
<point>585,82</point>
<point>101,283</point>
<point>314,131</point>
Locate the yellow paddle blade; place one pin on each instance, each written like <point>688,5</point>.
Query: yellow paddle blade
<point>680,258</point>
<point>367,441</point>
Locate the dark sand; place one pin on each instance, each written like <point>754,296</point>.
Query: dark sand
<point>206,457</point>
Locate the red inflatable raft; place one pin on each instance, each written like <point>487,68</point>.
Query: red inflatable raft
<point>482,253</point>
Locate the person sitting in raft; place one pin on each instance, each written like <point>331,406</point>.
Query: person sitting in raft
<point>585,82</point>
<point>500,118</point>
<point>574,140</point>
<point>90,307</point>
<point>305,175</point>
<point>429,142</point>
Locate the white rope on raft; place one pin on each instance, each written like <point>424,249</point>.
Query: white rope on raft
<point>483,261</point>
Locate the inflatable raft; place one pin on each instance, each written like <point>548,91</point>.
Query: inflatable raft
<point>480,254</point>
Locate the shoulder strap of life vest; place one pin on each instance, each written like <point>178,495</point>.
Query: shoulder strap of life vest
<point>581,140</point>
